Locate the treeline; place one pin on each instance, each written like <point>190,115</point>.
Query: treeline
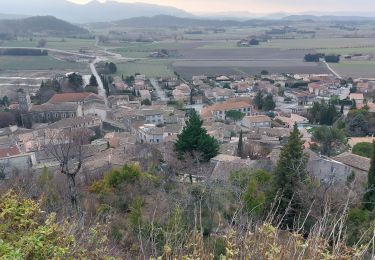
<point>264,102</point>
<point>23,52</point>
<point>315,57</point>
<point>323,113</point>
<point>107,68</point>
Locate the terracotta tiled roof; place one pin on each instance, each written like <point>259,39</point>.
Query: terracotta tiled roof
<point>229,105</point>
<point>354,161</point>
<point>225,106</point>
<point>257,119</point>
<point>9,151</point>
<point>70,97</point>
<point>56,107</point>
<point>356,96</point>
<point>75,122</point>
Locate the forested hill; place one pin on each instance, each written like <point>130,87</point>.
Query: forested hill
<point>40,25</point>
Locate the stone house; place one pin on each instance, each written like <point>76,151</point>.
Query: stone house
<point>256,121</point>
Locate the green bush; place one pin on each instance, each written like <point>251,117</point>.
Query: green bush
<point>363,149</point>
<point>114,178</point>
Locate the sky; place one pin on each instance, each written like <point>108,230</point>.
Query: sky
<point>262,6</point>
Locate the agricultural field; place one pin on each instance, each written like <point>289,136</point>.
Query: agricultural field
<point>188,69</point>
<point>37,63</point>
<point>355,69</point>
<point>243,53</point>
<point>66,44</point>
<point>229,34</point>
<point>320,43</point>
<point>349,50</point>
<point>151,68</point>
<point>131,54</point>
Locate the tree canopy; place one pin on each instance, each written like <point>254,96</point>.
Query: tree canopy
<point>328,137</point>
<point>323,113</point>
<point>194,138</point>
<point>93,81</point>
<point>234,115</point>
<point>265,103</point>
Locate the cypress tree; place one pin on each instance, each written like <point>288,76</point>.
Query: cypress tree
<point>240,146</point>
<point>290,172</point>
<point>93,81</point>
<point>369,197</point>
<point>258,101</point>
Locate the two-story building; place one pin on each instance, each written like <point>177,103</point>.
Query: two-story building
<point>218,111</point>
<point>91,103</point>
<point>153,116</point>
<point>49,113</point>
<point>149,133</point>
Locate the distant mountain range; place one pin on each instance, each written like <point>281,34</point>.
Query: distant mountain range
<point>12,16</point>
<point>110,10</point>
<point>327,18</point>
<point>93,11</point>
<point>40,25</point>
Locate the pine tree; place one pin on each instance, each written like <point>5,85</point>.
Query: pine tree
<point>289,174</point>
<point>240,146</point>
<point>194,138</point>
<point>369,197</point>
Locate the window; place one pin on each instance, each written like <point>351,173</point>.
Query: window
<point>157,140</point>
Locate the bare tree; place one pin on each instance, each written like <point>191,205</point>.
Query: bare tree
<point>66,147</point>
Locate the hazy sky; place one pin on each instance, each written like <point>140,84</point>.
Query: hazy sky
<point>264,6</point>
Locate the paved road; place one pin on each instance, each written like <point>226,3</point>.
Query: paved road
<point>101,90</point>
<point>159,91</point>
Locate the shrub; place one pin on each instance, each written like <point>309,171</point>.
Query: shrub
<point>25,233</point>
<point>363,149</point>
<point>114,178</point>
